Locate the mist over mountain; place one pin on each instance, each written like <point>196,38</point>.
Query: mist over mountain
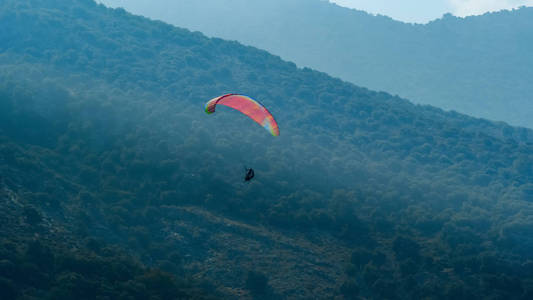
<point>115,184</point>
<point>478,65</point>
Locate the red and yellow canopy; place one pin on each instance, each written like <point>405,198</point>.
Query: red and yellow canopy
<point>247,106</point>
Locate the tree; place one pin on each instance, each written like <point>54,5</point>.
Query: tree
<point>257,284</point>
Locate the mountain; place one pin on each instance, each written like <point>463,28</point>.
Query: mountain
<point>478,65</point>
<point>115,181</point>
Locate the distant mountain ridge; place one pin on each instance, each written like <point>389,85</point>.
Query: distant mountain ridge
<point>477,65</point>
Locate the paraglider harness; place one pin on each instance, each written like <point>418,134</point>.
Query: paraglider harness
<point>249,174</point>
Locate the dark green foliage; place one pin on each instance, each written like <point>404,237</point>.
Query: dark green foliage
<point>405,248</point>
<point>57,272</point>
<point>103,136</point>
<point>350,290</point>
<point>362,257</point>
<point>8,290</point>
<point>32,216</point>
<point>257,284</point>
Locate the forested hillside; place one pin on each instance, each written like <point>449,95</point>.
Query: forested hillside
<point>481,65</point>
<point>108,160</point>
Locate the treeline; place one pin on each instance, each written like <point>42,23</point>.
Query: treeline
<point>452,63</point>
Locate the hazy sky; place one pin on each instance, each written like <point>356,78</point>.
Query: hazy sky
<point>423,11</point>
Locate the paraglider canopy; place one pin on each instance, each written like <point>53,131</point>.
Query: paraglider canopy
<point>248,106</point>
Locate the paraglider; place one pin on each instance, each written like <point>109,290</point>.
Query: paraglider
<point>251,108</point>
<point>248,106</point>
<point>249,174</point>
